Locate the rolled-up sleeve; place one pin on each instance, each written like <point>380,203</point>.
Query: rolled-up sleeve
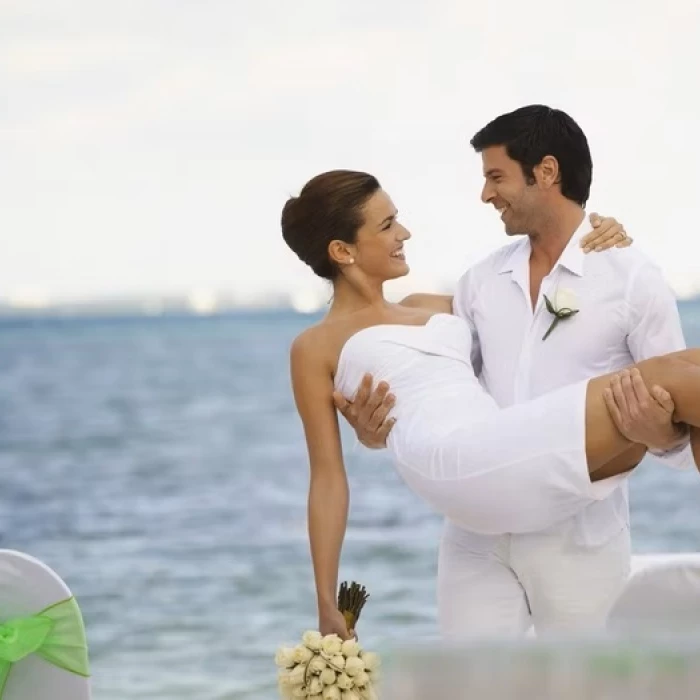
<point>655,329</point>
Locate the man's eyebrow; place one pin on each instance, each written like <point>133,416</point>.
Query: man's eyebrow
<point>492,172</point>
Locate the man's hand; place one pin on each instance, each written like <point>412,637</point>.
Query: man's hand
<point>641,416</point>
<point>367,414</point>
<point>607,232</point>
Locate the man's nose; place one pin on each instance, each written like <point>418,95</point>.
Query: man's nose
<point>487,193</point>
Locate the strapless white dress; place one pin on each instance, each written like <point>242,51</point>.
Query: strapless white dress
<point>487,469</point>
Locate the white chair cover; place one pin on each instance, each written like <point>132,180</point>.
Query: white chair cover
<point>651,651</point>
<point>545,670</point>
<point>661,597</point>
<point>28,586</point>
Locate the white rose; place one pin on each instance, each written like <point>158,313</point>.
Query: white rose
<point>374,676</point>
<point>353,666</point>
<point>285,684</point>
<point>285,691</point>
<point>317,665</point>
<point>350,648</point>
<point>371,661</point>
<point>315,697</point>
<point>302,655</point>
<point>284,658</point>
<point>349,695</point>
<point>312,640</point>
<point>284,679</point>
<point>371,693</point>
<point>328,676</point>
<point>331,644</point>
<point>344,681</point>
<point>338,662</point>
<point>297,675</point>
<point>315,686</point>
<point>362,679</point>
<point>332,692</point>
<point>565,299</point>
<point>299,692</point>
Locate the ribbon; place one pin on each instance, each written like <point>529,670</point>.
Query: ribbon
<point>56,634</point>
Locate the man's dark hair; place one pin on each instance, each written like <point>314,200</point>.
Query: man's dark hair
<point>533,132</point>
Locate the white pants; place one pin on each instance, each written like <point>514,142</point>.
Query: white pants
<point>498,586</point>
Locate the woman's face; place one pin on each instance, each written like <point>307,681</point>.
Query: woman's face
<point>378,250</point>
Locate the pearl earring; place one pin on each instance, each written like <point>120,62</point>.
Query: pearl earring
<point>351,261</point>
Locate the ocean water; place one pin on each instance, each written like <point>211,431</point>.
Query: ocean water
<point>159,466</point>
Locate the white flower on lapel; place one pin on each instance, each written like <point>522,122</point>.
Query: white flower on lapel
<point>563,307</point>
<point>565,299</point>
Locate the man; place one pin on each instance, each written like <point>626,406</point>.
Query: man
<point>545,314</point>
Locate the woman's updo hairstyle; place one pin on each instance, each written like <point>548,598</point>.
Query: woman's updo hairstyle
<point>328,208</point>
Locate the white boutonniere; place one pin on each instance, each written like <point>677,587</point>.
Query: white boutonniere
<point>564,307</point>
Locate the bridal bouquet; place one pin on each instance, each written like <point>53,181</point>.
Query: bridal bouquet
<point>328,668</point>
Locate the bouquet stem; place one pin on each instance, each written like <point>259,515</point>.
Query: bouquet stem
<point>351,600</point>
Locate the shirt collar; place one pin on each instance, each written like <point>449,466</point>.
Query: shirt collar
<point>572,256</point>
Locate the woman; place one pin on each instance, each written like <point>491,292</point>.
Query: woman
<point>523,468</point>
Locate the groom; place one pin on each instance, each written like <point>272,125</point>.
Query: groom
<point>537,175</point>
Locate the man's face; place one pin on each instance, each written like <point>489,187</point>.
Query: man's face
<point>506,188</point>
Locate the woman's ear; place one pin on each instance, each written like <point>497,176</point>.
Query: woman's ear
<point>341,253</point>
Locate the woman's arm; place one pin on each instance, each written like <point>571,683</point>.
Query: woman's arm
<point>312,384</point>
<point>436,302</point>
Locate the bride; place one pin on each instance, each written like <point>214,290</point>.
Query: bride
<point>491,470</point>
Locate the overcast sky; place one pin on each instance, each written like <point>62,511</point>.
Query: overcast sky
<point>149,145</point>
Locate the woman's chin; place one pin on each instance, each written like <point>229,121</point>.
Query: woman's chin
<point>400,269</point>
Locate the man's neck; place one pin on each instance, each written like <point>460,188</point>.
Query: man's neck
<point>554,233</point>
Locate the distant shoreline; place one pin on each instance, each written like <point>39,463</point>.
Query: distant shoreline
<point>133,314</point>
<point>175,310</point>
<point>98,312</point>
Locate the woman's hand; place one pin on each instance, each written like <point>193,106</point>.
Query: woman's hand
<point>333,622</point>
<point>607,232</point>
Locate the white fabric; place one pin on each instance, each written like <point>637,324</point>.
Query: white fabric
<point>498,587</point>
<point>26,587</point>
<point>490,470</point>
<point>661,596</point>
<point>551,669</point>
<point>627,313</point>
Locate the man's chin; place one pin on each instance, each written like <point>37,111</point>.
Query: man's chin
<point>512,230</point>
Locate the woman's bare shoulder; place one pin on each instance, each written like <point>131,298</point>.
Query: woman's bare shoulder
<point>317,341</point>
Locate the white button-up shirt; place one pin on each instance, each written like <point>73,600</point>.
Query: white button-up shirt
<point>627,313</point>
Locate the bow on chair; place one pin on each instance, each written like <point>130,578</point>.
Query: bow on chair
<point>56,634</point>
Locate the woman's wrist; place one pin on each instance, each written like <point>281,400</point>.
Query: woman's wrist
<point>326,603</point>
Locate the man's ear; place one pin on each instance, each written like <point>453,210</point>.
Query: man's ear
<point>547,172</point>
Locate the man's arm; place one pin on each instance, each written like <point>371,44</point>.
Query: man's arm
<point>367,412</point>
<point>655,329</point>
